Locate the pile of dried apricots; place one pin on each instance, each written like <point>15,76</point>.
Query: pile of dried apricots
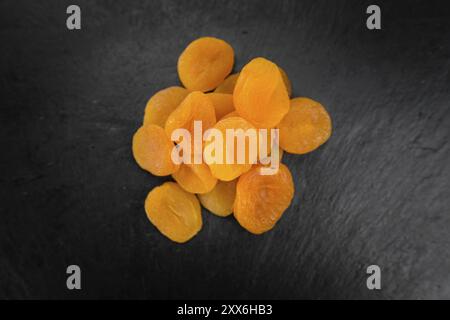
<point>257,97</point>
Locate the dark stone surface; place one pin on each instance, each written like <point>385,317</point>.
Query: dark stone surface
<point>376,193</point>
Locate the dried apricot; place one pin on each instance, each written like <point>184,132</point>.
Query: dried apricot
<point>260,95</point>
<point>152,150</point>
<point>227,86</point>
<point>205,63</point>
<point>231,114</point>
<point>268,134</point>
<point>243,176</point>
<point>230,171</point>
<point>223,103</point>
<point>262,199</point>
<point>174,212</point>
<point>195,178</point>
<point>286,81</point>
<point>220,200</point>
<point>267,160</point>
<point>306,126</point>
<point>196,106</point>
<point>162,104</point>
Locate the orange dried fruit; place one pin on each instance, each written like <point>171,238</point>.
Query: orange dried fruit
<point>231,114</point>
<point>152,150</point>
<point>306,126</point>
<point>223,103</point>
<point>262,199</point>
<point>195,178</point>
<point>267,135</point>
<point>220,200</point>
<point>230,171</point>
<point>286,81</point>
<point>162,104</point>
<point>260,95</point>
<point>227,86</point>
<point>260,133</point>
<point>252,101</point>
<point>205,63</point>
<point>196,106</point>
<point>267,160</point>
<point>174,212</point>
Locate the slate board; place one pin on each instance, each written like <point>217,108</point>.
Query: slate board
<point>376,193</point>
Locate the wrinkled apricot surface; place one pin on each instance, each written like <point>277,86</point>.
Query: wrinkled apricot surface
<point>195,178</point>
<point>152,150</point>
<point>220,200</point>
<point>262,199</point>
<point>230,171</point>
<point>306,126</point>
<point>227,86</point>
<point>223,103</point>
<point>205,63</point>
<point>260,95</point>
<point>162,104</point>
<point>196,106</point>
<point>174,212</point>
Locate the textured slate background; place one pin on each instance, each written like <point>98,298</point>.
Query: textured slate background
<point>376,193</point>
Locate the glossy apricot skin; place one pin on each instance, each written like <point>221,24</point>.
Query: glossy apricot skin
<point>196,106</point>
<point>195,178</point>
<point>162,104</point>
<point>306,126</point>
<point>174,212</point>
<point>230,171</point>
<point>262,199</point>
<point>223,103</point>
<point>152,150</point>
<point>220,200</point>
<point>205,63</point>
<point>260,95</point>
<point>227,86</point>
